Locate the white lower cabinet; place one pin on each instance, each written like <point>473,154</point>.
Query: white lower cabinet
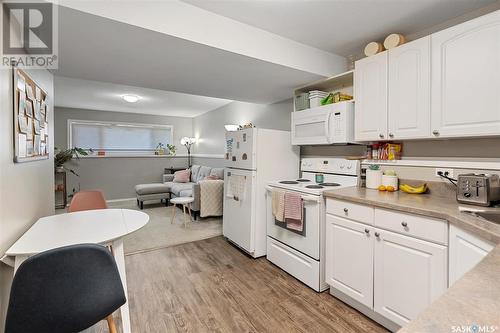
<point>390,275</point>
<point>466,250</point>
<point>409,274</point>
<point>349,253</point>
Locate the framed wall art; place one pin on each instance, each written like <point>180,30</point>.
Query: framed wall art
<point>31,133</point>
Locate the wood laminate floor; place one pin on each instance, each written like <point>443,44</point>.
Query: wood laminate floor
<point>210,286</point>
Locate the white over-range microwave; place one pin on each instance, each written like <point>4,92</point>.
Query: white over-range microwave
<point>324,125</point>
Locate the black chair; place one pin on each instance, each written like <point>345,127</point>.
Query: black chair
<point>65,290</point>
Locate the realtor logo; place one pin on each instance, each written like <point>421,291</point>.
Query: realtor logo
<point>29,34</point>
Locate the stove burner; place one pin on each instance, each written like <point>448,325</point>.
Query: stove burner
<point>302,180</point>
<point>291,182</point>
<point>330,184</point>
<point>314,186</point>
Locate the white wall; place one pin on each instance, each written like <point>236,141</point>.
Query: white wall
<point>26,189</point>
<point>209,130</point>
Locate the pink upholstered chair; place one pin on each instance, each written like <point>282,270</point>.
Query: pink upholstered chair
<point>87,200</point>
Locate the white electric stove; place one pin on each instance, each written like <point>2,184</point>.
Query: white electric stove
<point>302,254</point>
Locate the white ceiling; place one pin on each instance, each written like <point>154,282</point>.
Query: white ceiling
<point>341,26</point>
<point>95,48</point>
<point>245,50</point>
<point>93,95</point>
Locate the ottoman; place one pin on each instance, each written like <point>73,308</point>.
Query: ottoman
<point>155,191</point>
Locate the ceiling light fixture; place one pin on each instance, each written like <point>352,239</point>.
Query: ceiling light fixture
<point>131,98</point>
<point>231,128</point>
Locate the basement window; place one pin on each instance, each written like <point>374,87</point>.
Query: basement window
<point>118,138</point>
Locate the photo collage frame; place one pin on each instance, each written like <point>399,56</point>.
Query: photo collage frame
<point>31,126</point>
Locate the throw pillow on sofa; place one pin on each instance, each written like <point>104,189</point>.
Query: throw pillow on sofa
<point>182,176</point>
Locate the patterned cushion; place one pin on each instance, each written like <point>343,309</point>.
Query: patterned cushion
<point>195,169</point>
<point>219,172</point>
<point>182,176</point>
<point>204,172</point>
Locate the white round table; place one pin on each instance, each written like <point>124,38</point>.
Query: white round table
<point>186,206</point>
<point>100,226</point>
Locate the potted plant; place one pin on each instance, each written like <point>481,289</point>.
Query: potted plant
<point>172,149</point>
<point>64,156</point>
<point>373,176</point>
<point>160,149</point>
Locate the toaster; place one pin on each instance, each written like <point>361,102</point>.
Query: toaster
<point>478,189</point>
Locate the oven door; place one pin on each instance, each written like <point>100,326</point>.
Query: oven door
<point>309,241</point>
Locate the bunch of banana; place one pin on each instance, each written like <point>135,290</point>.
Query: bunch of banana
<point>412,189</point>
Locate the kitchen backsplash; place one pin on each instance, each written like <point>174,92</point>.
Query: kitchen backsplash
<point>425,148</point>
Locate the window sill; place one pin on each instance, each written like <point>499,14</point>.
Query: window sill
<point>134,155</point>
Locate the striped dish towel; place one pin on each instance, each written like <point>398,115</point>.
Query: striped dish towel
<point>293,211</point>
<point>278,198</point>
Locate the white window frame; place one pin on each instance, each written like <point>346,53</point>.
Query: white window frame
<point>72,122</point>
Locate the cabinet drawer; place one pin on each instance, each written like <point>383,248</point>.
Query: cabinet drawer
<point>350,210</point>
<point>428,228</point>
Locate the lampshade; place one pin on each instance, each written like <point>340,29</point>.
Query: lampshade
<point>231,128</point>
<point>187,141</point>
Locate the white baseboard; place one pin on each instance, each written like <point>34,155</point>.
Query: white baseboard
<point>370,313</point>
<point>219,156</point>
<point>121,200</point>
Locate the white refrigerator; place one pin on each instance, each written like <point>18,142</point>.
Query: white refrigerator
<point>254,157</point>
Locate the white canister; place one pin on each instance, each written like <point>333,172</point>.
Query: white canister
<point>390,181</point>
<point>373,178</point>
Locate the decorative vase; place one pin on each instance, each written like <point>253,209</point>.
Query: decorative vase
<point>60,169</point>
<point>373,178</point>
<point>388,180</point>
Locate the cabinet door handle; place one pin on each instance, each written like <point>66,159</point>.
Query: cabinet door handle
<point>391,135</point>
<point>367,231</point>
<point>404,224</point>
<point>377,235</point>
<point>346,210</point>
<point>435,132</point>
<point>381,136</point>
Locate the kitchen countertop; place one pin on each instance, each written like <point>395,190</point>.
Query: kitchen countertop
<point>472,300</point>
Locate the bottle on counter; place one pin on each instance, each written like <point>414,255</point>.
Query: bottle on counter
<point>375,152</point>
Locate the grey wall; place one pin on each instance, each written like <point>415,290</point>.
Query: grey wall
<point>117,176</point>
<point>458,148</point>
<point>26,189</point>
<point>208,128</point>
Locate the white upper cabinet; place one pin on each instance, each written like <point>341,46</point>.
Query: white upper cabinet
<point>466,79</point>
<point>370,93</point>
<point>409,106</point>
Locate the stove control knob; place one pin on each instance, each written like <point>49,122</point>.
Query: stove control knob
<point>349,166</point>
<point>342,166</point>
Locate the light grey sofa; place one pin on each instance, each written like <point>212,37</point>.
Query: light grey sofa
<point>192,189</point>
